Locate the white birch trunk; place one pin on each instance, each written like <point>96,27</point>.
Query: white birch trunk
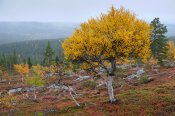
<point>110,90</point>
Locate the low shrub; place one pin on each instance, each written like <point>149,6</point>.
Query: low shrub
<point>144,79</point>
<point>7,101</point>
<point>89,84</point>
<point>160,90</point>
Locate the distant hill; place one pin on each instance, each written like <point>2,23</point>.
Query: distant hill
<point>34,49</point>
<point>171,30</point>
<point>172,38</point>
<point>22,31</point>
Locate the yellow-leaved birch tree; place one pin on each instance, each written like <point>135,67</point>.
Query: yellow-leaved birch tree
<point>171,51</point>
<point>108,38</point>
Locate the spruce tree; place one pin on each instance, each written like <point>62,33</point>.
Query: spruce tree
<point>57,60</point>
<point>158,40</point>
<point>48,55</point>
<point>29,62</point>
<point>5,62</point>
<point>15,57</point>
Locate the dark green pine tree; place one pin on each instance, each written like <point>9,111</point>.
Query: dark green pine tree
<point>159,41</point>
<point>29,62</point>
<point>15,57</point>
<point>48,55</point>
<point>3,62</point>
<point>57,60</point>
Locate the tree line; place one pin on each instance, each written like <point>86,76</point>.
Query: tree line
<point>49,56</point>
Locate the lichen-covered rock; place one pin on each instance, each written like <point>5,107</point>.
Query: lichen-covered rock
<point>14,91</point>
<point>81,78</point>
<point>58,87</point>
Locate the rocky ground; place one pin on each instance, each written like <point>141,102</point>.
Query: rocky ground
<point>153,96</point>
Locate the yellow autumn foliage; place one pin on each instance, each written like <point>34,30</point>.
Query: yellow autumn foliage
<point>171,50</point>
<point>41,71</point>
<point>117,34</point>
<point>51,68</point>
<point>22,69</point>
<point>85,65</point>
<point>38,70</point>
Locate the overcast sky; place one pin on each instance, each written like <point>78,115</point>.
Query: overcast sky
<point>82,10</point>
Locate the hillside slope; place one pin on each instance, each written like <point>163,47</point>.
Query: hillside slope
<point>156,98</point>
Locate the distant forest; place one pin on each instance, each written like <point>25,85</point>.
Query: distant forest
<point>30,49</point>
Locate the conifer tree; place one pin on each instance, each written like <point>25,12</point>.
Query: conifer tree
<point>48,55</point>
<point>57,60</point>
<point>158,40</point>
<point>15,58</point>
<point>29,62</point>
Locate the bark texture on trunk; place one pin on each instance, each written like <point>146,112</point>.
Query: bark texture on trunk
<point>110,90</point>
<point>113,67</point>
<point>111,74</point>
